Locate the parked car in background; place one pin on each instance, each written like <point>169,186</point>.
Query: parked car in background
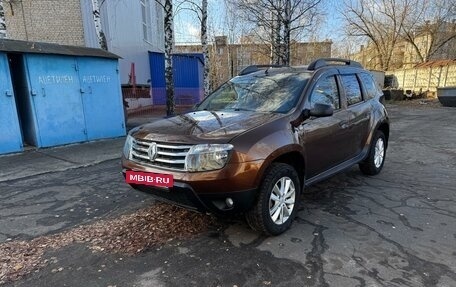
<point>260,139</point>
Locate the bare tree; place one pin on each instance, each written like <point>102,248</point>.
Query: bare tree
<point>204,44</point>
<point>201,11</point>
<point>169,43</point>
<point>2,21</point>
<point>276,21</point>
<point>430,28</point>
<point>97,20</point>
<point>379,21</point>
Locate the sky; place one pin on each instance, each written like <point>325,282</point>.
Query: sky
<point>187,25</point>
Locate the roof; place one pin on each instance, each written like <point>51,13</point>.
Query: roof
<point>315,65</point>
<point>17,46</point>
<point>437,63</point>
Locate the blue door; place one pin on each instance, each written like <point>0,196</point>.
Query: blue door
<point>56,97</point>
<point>101,97</point>
<point>10,133</point>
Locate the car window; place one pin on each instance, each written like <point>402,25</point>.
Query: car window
<point>369,85</point>
<point>352,89</point>
<point>277,92</point>
<point>326,92</point>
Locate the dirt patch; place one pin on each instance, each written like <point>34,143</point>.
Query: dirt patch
<point>129,234</point>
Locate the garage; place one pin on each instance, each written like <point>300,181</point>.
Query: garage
<point>63,94</point>
<point>10,135</point>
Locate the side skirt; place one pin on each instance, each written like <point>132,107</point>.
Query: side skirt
<point>336,169</point>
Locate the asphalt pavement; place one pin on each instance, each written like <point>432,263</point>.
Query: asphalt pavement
<point>394,229</point>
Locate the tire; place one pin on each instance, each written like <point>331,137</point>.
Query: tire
<point>283,204</point>
<point>373,164</point>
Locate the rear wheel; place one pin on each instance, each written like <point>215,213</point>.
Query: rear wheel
<point>277,202</point>
<point>373,164</point>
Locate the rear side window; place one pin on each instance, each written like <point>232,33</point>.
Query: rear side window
<point>352,89</point>
<point>369,85</point>
<point>326,92</point>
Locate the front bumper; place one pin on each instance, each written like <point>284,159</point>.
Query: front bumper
<point>183,195</point>
<point>205,191</point>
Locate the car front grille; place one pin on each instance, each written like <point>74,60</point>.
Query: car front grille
<point>168,156</point>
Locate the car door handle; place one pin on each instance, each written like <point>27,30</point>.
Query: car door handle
<point>344,124</point>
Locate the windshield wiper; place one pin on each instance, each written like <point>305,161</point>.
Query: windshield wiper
<point>242,109</point>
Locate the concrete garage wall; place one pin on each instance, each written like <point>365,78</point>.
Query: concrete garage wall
<point>427,76</point>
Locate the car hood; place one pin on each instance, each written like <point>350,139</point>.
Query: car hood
<point>192,127</point>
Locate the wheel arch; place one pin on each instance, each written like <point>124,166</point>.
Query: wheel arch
<point>291,155</point>
<point>384,127</point>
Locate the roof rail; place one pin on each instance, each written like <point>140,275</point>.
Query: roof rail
<point>330,62</point>
<point>256,68</point>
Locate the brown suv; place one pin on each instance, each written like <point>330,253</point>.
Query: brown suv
<point>256,142</point>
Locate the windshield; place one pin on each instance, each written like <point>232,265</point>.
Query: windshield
<point>260,93</point>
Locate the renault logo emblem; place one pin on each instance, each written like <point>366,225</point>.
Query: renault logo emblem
<point>152,151</point>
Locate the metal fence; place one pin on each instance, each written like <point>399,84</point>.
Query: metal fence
<point>137,101</point>
<point>139,104</point>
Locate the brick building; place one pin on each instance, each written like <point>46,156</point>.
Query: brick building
<point>46,21</point>
<point>227,60</point>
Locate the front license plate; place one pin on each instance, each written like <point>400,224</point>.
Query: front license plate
<point>148,178</point>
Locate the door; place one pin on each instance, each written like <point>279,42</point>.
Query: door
<point>56,97</point>
<point>10,133</point>
<point>326,139</point>
<point>359,111</point>
<point>101,97</point>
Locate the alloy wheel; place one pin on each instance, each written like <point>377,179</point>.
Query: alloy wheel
<point>379,153</point>
<point>282,200</point>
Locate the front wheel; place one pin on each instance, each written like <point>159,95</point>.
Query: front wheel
<point>277,202</point>
<point>373,164</point>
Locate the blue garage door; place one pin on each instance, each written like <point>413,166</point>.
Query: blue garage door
<point>101,96</point>
<point>187,75</point>
<point>10,133</point>
<point>56,96</point>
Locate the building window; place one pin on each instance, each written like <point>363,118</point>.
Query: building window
<point>146,20</point>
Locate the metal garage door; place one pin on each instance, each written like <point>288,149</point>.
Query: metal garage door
<point>101,96</point>
<point>10,133</point>
<point>56,96</point>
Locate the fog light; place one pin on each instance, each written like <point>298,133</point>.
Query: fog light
<point>229,202</point>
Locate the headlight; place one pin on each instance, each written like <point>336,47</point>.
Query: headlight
<point>127,146</point>
<point>207,157</point>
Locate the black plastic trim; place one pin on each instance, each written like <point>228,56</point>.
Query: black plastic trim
<point>323,62</point>
<point>256,68</point>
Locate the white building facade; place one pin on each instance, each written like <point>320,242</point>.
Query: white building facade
<point>131,28</point>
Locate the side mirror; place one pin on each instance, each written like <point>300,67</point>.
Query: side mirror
<point>321,110</point>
